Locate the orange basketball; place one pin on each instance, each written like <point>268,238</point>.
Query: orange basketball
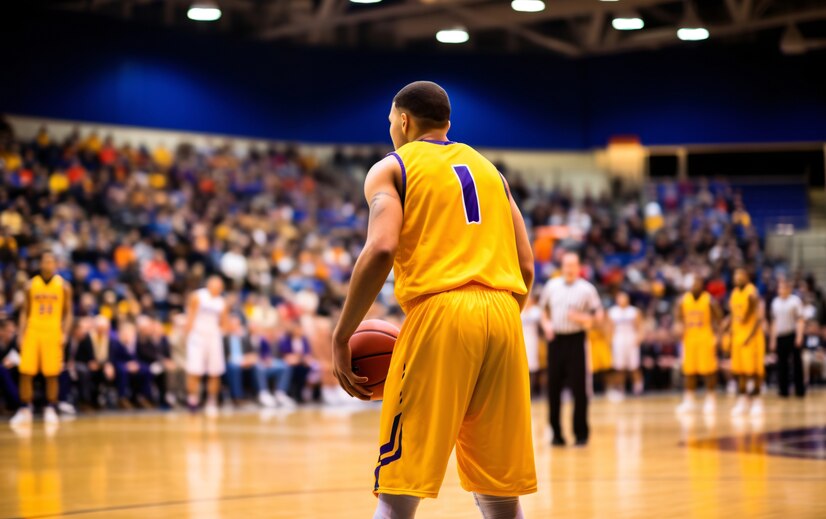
<point>371,347</point>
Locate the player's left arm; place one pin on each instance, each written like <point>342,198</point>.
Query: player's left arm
<point>800,326</point>
<point>639,322</point>
<point>24,311</point>
<point>755,306</point>
<point>224,324</point>
<point>371,268</point>
<point>523,248</point>
<point>68,310</point>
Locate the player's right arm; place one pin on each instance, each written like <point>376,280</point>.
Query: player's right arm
<point>523,249</point>
<point>371,268</point>
<point>545,318</point>
<point>24,312</point>
<point>191,311</point>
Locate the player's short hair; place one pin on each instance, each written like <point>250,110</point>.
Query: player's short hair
<point>427,102</point>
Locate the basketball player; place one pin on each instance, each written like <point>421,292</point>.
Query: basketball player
<point>442,216</point>
<point>599,354</point>
<point>748,344</point>
<point>626,330</point>
<point>46,318</point>
<point>206,320</point>
<point>698,314</point>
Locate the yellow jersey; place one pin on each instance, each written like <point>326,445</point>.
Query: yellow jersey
<point>697,317</point>
<point>46,300</point>
<point>741,325</point>
<point>458,227</point>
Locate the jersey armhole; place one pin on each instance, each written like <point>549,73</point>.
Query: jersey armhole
<point>504,185</point>
<point>404,175</point>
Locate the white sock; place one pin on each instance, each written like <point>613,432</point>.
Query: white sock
<point>498,507</point>
<point>396,507</point>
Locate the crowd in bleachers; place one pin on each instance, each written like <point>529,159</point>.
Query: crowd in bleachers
<point>135,230</point>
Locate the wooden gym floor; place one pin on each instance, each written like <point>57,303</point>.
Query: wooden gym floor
<point>317,463</point>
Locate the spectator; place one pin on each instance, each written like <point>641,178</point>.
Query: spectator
<point>9,360</point>
<point>133,378</point>
<point>94,352</point>
<point>242,360</point>
<point>155,357</point>
<point>296,354</point>
<point>272,367</point>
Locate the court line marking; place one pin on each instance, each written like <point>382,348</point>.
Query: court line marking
<point>176,502</point>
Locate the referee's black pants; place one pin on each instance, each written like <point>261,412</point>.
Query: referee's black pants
<point>786,349</point>
<point>566,367</point>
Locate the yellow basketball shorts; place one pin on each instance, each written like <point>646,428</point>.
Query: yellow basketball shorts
<point>600,356</point>
<point>458,377</point>
<point>699,355</point>
<point>41,352</point>
<point>748,358</point>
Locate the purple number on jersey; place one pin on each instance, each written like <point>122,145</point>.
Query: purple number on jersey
<point>470,197</point>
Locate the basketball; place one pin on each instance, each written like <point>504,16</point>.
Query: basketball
<point>372,347</point>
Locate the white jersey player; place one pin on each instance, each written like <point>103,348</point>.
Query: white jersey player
<point>625,322</point>
<point>206,318</point>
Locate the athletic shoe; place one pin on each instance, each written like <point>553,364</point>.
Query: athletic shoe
<point>581,443</point>
<point>50,415</point>
<point>143,402</point>
<point>558,442</point>
<point>710,405</point>
<point>756,407</point>
<point>687,406</point>
<point>266,399</point>
<point>283,400</point>
<point>23,416</point>
<point>741,407</point>
<point>211,410</point>
<point>615,396</point>
<point>66,408</point>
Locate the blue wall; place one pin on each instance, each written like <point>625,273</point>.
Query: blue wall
<point>102,70</point>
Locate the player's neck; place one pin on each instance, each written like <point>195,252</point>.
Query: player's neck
<point>432,136</point>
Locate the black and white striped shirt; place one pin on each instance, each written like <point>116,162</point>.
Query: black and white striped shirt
<point>559,298</point>
<point>786,313</point>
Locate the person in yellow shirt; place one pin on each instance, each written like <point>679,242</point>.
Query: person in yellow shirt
<point>45,319</point>
<point>443,218</point>
<point>697,314</point>
<point>748,344</point>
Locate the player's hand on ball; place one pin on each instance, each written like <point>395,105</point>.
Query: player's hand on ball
<point>343,371</point>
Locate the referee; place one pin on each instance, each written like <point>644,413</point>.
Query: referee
<point>787,337</point>
<point>570,306</point>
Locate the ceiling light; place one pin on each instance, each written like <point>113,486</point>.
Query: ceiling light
<point>204,12</point>
<point>454,35</point>
<point>691,28</point>
<point>528,6</point>
<point>627,24</point>
<point>692,33</point>
<point>365,1</point>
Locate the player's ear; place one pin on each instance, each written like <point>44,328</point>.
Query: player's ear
<point>405,122</point>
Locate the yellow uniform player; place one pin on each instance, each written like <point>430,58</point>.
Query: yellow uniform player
<point>442,216</point>
<point>698,314</point>
<point>600,349</point>
<point>748,343</point>
<point>45,320</point>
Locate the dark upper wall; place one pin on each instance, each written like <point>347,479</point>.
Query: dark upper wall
<point>101,70</point>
